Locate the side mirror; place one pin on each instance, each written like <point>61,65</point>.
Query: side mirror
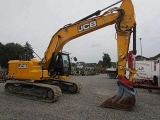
<point>75,59</point>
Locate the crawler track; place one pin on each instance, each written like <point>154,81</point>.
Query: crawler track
<point>68,87</point>
<point>35,91</point>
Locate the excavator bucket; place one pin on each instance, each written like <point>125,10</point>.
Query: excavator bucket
<point>124,100</point>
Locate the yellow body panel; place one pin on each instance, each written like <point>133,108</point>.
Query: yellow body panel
<point>29,70</point>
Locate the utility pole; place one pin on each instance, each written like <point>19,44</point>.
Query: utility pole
<point>141,47</point>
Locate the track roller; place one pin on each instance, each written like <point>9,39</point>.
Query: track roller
<point>68,87</point>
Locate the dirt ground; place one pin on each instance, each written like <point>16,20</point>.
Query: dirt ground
<point>81,106</point>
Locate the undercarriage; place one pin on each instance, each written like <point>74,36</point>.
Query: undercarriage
<point>47,92</point>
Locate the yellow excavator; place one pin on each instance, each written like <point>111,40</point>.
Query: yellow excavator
<point>45,80</point>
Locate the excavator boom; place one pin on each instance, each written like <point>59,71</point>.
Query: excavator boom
<point>72,31</point>
<point>89,24</point>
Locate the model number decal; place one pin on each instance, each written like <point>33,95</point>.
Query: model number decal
<point>87,26</point>
<point>22,66</point>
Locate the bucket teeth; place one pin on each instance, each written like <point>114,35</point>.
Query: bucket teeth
<point>124,100</point>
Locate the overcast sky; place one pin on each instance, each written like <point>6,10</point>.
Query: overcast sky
<point>36,21</point>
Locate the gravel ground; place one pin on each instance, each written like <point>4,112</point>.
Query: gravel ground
<point>82,106</point>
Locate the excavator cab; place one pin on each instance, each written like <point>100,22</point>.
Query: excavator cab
<point>62,66</point>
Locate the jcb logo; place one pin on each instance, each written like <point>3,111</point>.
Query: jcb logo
<point>87,26</point>
<point>22,66</point>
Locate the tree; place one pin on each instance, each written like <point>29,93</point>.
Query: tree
<point>106,61</point>
<point>10,51</point>
<point>100,63</point>
<point>14,51</point>
<point>27,52</point>
<point>1,54</point>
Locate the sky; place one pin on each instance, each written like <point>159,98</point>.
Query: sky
<point>36,21</point>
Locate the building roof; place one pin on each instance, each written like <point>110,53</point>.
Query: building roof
<point>139,57</point>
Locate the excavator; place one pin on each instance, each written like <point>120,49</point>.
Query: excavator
<point>46,79</point>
